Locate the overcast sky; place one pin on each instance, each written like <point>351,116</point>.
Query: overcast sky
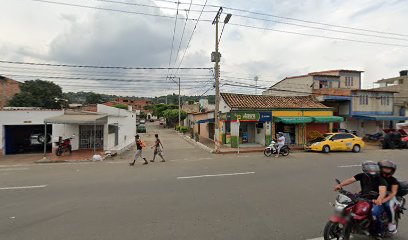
<point>43,32</point>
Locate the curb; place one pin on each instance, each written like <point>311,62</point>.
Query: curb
<point>61,161</point>
<point>200,145</point>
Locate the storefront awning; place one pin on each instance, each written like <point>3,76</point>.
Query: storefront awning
<point>294,120</point>
<point>328,119</point>
<point>210,120</point>
<point>78,119</point>
<point>380,117</point>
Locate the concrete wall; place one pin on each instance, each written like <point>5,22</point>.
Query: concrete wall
<point>23,117</point>
<point>260,135</point>
<point>299,84</point>
<point>223,106</point>
<point>65,131</point>
<point>356,79</point>
<point>374,105</point>
<point>344,108</point>
<point>126,120</point>
<point>363,126</point>
<point>204,129</point>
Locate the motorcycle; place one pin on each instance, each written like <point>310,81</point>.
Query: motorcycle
<point>352,215</point>
<point>372,137</point>
<point>64,145</point>
<point>273,149</point>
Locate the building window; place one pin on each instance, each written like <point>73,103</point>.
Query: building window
<point>349,81</point>
<point>364,100</point>
<point>401,81</point>
<point>388,100</point>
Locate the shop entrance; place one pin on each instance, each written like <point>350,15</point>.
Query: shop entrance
<point>289,131</point>
<point>247,132</point>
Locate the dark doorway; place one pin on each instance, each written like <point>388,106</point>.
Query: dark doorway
<point>26,139</point>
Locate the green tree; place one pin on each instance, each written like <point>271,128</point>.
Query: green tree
<point>38,93</point>
<point>94,98</point>
<point>121,106</point>
<point>171,116</point>
<point>143,115</point>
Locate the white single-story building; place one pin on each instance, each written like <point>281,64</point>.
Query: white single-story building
<point>108,129</point>
<point>22,129</point>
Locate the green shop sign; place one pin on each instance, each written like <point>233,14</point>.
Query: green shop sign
<point>245,116</point>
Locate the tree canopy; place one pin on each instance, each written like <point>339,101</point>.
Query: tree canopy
<point>171,115</point>
<point>38,93</point>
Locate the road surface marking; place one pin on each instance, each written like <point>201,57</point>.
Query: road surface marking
<point>23,187</point>
<point>217,175</point>
<point>14,169</point>
<point>347,166</point>
<point>206,158</point>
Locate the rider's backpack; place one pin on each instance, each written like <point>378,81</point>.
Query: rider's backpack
<point>403,188</point>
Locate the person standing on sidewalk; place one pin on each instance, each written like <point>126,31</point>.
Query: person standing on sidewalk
<point>157,149</point>
<point>139,147</point>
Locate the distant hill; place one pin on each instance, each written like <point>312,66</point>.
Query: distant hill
<point>91,97</point>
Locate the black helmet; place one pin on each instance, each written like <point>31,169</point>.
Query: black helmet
<point>370,167</point>
<point>387,164</point>
<point>280,133</point>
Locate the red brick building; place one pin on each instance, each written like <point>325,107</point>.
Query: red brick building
<point>8,88</point>
<point>136,104</point>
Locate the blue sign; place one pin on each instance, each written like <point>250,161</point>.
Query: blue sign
<point>265,116</point>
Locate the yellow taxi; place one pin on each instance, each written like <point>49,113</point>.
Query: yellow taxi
<point>338,142</point>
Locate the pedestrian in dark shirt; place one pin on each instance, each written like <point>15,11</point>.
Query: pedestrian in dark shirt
<point>158,146</point>
<point>139,151</point>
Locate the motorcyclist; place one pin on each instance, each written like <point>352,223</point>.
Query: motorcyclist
<point>281,143</point>
<point>387,170</point>
<point>370,181</point>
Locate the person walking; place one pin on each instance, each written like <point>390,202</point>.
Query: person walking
<point>139,147</point>
<point>158,146</point>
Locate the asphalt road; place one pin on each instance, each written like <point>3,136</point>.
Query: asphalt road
<point>194,195</point>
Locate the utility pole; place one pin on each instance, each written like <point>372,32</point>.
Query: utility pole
<point>217,84</point>
<point>179,98</point>
<point>256,85</point>
<point>215,57</point>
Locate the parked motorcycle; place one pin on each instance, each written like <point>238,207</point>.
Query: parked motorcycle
<point>273,149</point>
<point>64,145</point>
<point>372,137</point>
<point>352,215</point>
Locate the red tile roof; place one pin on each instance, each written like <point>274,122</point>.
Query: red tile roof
<point>270,102</point>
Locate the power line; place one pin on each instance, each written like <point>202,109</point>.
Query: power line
<point>319,28</point>
<point>309,93</point>
<point>319,36</point>
<point>247,26</point>
<point>95,73</point>
<point>102,67</point>
<point>182,34</point>
<point>172,42</point>
<point>292,19</point>
<point>191,36</point>
<point>149,6</point>
<point>110,9</point>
